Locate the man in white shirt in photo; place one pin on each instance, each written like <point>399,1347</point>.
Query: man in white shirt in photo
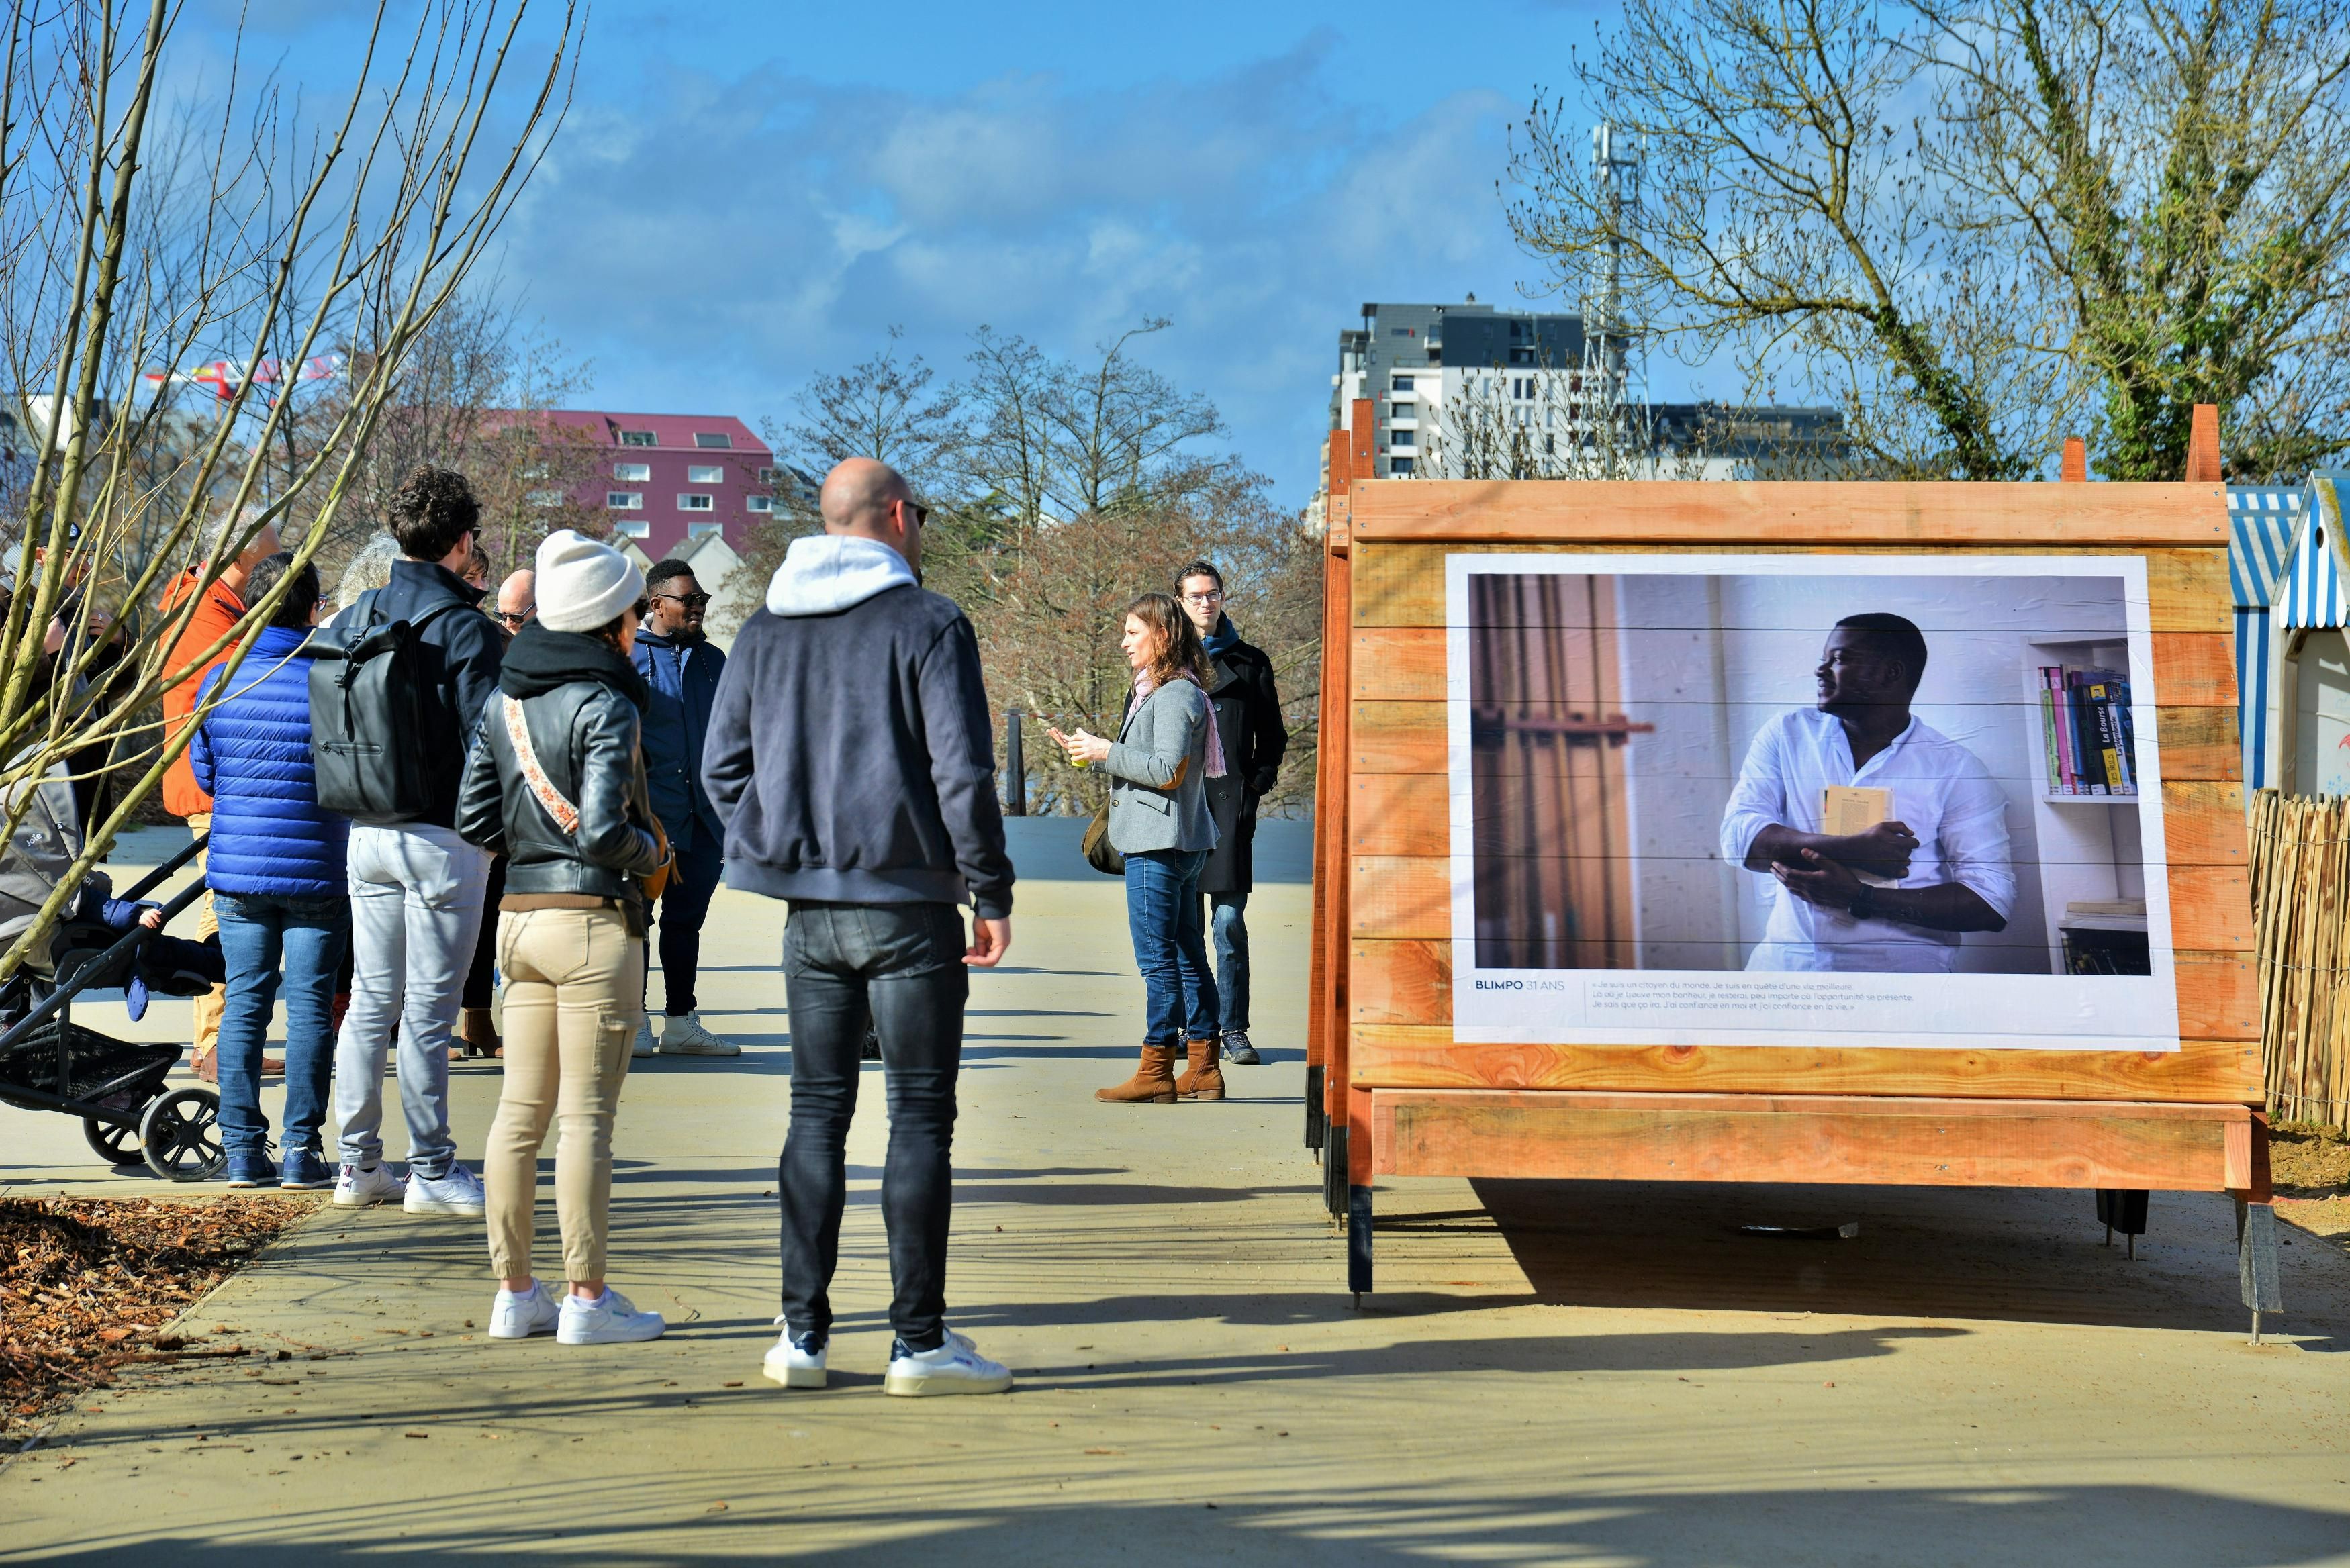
<point>1936,868</point>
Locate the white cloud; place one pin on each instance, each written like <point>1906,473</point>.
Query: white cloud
<point>716,240</point>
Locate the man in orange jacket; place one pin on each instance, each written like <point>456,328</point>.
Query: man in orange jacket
<point>222,604</point>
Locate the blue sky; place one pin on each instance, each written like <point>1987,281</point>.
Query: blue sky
<point>747,194</point>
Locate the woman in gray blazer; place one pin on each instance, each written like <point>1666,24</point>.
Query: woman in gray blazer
<point>1158,766</point>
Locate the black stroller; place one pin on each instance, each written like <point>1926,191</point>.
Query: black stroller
<point>48,1063</point>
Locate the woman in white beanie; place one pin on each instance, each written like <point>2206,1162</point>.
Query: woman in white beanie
<point>555,783</point>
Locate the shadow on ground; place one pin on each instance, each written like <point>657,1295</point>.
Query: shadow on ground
<point>667,1520</point>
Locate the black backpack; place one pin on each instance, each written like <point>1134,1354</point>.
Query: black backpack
<point>379,753</point>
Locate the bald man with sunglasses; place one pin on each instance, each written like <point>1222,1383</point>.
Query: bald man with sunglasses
<point>680,665</point>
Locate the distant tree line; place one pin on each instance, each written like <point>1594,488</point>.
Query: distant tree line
<point>1059,489</point>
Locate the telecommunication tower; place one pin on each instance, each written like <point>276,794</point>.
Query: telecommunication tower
<point>1613,359</point>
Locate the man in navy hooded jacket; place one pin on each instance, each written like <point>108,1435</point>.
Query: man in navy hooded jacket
<point>681,667</point>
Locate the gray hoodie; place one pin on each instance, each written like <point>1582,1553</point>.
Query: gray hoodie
<point>849,750</point>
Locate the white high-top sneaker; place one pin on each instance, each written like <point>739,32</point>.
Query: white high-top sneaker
<point>684,1036</point>
<point>956,1366</point>
<point>359,1189</point>
<point>520,1316</point>
<point>645,1045</point>
<point>795,1364</point>
<point>612,1319</point>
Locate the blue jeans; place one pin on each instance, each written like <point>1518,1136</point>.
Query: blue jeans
<point>1228,923</point>
<point>684,905</point>
<point>900,966</point>
<point>258,932</point>
<point>1162,915</point>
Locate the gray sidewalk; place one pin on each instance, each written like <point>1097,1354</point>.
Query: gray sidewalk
<point>1606,1374</point>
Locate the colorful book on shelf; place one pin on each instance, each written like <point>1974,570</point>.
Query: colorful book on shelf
<point>2108,693</point>
<point>2087,753</point>
<point>2060,722</point>
<point>2087,732</point>
<point>2048,735</point>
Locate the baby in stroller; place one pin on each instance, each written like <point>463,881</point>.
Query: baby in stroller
<point>32,861</point>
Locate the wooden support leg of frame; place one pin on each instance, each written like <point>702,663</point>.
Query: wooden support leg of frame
<point>1316,1122</point>
<point>1334,1174</point>
<point>2256,1259</point>
<point>1358,1243</point>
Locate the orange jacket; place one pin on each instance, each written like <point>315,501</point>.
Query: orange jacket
<point>219,612</point>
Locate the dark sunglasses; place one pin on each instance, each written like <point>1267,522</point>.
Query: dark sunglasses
<point>514,621</point>
<point>690,601</point>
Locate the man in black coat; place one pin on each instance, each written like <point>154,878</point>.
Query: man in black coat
<point>1248,721</point>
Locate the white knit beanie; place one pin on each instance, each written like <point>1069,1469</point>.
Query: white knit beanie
<point>583,584</point>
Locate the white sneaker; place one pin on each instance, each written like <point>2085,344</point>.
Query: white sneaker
<point>793,1366</point>
<point>357,1188</point>
<point>457,1194</point>
<point>519,1317</point>
<point>645,1046</point>
<point>956,1366</point>
<point>611,1320</point>
<point>684,1036</point>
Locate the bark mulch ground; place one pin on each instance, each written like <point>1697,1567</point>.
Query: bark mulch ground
<point>86,1285</point>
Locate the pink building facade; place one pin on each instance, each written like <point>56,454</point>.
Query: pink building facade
<point>663,479</point>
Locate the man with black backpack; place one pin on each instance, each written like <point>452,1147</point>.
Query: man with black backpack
<point>419,664</point>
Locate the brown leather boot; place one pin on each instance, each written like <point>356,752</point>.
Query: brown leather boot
<point>1153,1082</point>
<point>479,1034</point>
<point>1205,1081</point>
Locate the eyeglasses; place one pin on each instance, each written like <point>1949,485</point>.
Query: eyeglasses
<point>690,601</point>
<point>515,620</point>
<point>1213,596</point>
<point>921,514</point>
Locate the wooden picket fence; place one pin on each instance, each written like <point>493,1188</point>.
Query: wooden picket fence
<point>2300,911</point>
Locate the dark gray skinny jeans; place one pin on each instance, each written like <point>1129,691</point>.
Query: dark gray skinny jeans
<point>900,965</point>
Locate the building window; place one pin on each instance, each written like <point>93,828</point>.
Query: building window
<point>771,476</point>
<point>760,503</point>
<point>702,530</point>
<point>632,472</point>
<point>636,438</point>
<point>691,501</point>
<point>1399,384</point>
<point>633,528</point>
<point>714,441</point>
<point>1400,466</point>
<point>625,499</point>
<point>705,473</point>
<point>1400,438</point>
<point>547,498</point>
<point>1401,411</point>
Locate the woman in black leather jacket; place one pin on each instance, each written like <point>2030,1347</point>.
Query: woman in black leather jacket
<point>555,783</point>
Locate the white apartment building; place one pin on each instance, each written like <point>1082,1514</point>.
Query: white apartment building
<point>1462,391</point>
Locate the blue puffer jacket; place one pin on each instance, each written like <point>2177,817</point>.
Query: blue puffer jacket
<point>252,756</point>
<point>683,677</point>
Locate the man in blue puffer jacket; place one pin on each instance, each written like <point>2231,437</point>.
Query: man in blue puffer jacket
<point>279,888</point>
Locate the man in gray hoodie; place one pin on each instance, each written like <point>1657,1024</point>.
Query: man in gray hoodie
<point>850,756</point>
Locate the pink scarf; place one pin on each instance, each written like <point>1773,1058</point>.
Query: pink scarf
<point>1144,686</point>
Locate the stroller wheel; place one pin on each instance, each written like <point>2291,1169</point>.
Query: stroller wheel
<point>180,1135</point>
<point>116,1144</point>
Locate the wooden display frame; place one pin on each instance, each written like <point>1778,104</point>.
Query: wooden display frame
<point>1391,1093</point>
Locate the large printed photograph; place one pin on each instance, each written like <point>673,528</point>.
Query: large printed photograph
<point>1795,799</point>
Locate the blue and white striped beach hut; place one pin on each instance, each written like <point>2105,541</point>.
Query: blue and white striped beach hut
<point>2287,564</point>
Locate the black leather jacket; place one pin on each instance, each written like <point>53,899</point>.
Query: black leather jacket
<point>585,735</point>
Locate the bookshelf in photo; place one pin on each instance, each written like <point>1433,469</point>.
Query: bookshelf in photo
<point>2081,744</point>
